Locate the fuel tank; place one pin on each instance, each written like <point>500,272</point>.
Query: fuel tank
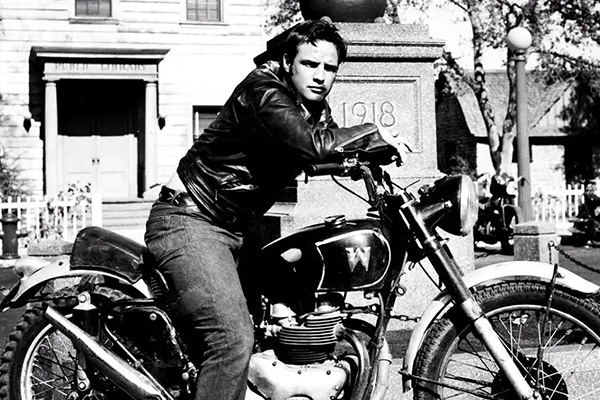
<point>336,255</point>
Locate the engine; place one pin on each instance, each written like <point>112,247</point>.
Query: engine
<point>302,360</point>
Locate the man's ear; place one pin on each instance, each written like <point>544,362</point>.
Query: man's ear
<point>286,63</point>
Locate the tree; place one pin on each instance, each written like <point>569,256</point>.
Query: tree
<point>565,33</point>
<point>283,14</point>
<point>566,42</point>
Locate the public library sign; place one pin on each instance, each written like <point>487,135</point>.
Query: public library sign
<point>99,70</point>
<point>98,63</point>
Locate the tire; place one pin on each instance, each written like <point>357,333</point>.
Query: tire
<point>512,216</point>
<point>453,354</point>
<point>38,361</point>
<point>578,239</point>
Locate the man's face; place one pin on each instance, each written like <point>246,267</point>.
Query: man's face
<point>313,70</point>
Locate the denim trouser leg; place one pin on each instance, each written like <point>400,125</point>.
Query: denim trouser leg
<point>199,262</point>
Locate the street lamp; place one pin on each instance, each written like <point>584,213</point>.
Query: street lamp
<point>519,40</point>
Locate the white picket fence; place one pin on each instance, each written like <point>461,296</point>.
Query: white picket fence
<point>557,206</point>
<point>46,218</point>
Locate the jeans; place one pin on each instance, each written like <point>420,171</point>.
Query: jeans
<point>207,304</point>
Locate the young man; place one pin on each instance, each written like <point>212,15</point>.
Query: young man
<point>275,123</point>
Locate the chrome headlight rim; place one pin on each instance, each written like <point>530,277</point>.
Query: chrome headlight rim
<point>452,203</point>
<point>468,205</point>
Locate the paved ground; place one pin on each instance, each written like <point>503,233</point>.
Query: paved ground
<point>590,256</point>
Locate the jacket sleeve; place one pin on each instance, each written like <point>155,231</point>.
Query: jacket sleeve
<point>274,109</point>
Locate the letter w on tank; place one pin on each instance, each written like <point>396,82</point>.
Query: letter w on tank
<point>358,255</point>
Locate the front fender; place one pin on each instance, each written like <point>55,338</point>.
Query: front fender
<point>39,272</point>
<point>500,272</point>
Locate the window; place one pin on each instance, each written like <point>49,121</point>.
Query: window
<point>204,10</point>
<point>203,116</point>
<point>449,152</point>
<point>93,8</point>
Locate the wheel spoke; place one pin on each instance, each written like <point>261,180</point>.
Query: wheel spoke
<point>65,369</point>
<point>49,367</point>
<point>49,384</point>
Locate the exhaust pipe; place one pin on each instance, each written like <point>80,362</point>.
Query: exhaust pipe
<point>364,365</point>
<point>127,378</point>
<point>384,361</point>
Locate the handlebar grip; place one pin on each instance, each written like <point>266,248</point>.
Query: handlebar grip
<point>324,169</point>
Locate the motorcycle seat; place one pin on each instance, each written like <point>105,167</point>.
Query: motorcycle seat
<point>100,249</point>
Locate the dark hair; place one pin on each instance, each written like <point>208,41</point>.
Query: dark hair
<point>311,32</point>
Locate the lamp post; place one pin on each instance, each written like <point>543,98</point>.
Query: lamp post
<point>519,40</point>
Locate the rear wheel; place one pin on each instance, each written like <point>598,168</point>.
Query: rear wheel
<point>39,362</point>
<point>569,342</point>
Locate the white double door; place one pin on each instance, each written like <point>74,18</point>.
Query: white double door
<point>107,162</point>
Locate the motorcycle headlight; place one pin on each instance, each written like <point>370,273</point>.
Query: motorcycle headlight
<point>452,204</point>
<point>511,188</point>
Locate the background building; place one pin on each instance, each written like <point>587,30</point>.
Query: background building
<point>462,137</point>
<point>113,91</point>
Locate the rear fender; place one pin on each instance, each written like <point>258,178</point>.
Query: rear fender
<point>491,274</point>
<point>38,272</point>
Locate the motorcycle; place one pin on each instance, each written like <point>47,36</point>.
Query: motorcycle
<point>498,214</point>
<point>586,226</point>
<point>95,327</point>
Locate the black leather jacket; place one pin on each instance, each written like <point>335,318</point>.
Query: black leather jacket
<point>258,144</point>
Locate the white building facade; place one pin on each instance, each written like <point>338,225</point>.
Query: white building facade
<point>112,92</point>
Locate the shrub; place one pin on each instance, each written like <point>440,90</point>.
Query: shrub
<point>10,182</point>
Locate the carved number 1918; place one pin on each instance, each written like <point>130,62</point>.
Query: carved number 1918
<point>381,113</point>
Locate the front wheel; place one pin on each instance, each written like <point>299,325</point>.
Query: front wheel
<point>569,342</point>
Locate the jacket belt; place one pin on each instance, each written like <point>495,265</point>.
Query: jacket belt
<point>176,198</point>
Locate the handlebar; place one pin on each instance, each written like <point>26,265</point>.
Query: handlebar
<point>372,174</point>
<point>325,169</point>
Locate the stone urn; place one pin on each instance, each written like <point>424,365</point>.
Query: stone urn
<point>343,10</point>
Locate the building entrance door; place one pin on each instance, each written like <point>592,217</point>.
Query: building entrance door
<point>98,133</point>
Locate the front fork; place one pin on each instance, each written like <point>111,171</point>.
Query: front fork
<point>497,349</point>
<point>450,274</point>
<point>488,335</point>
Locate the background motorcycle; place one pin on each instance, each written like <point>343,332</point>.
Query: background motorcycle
<point>95,327</point>
<point>498,213</point>
<point>586,226</point>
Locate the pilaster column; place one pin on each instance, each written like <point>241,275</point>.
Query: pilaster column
<point>51,138</point>
<point>151,167</point>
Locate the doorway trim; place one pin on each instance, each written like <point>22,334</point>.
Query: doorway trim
<point>89,63</point>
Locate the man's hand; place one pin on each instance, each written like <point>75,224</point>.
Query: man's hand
<point>401,144</point>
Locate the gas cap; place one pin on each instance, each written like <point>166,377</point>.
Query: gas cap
<point>335,221</point>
